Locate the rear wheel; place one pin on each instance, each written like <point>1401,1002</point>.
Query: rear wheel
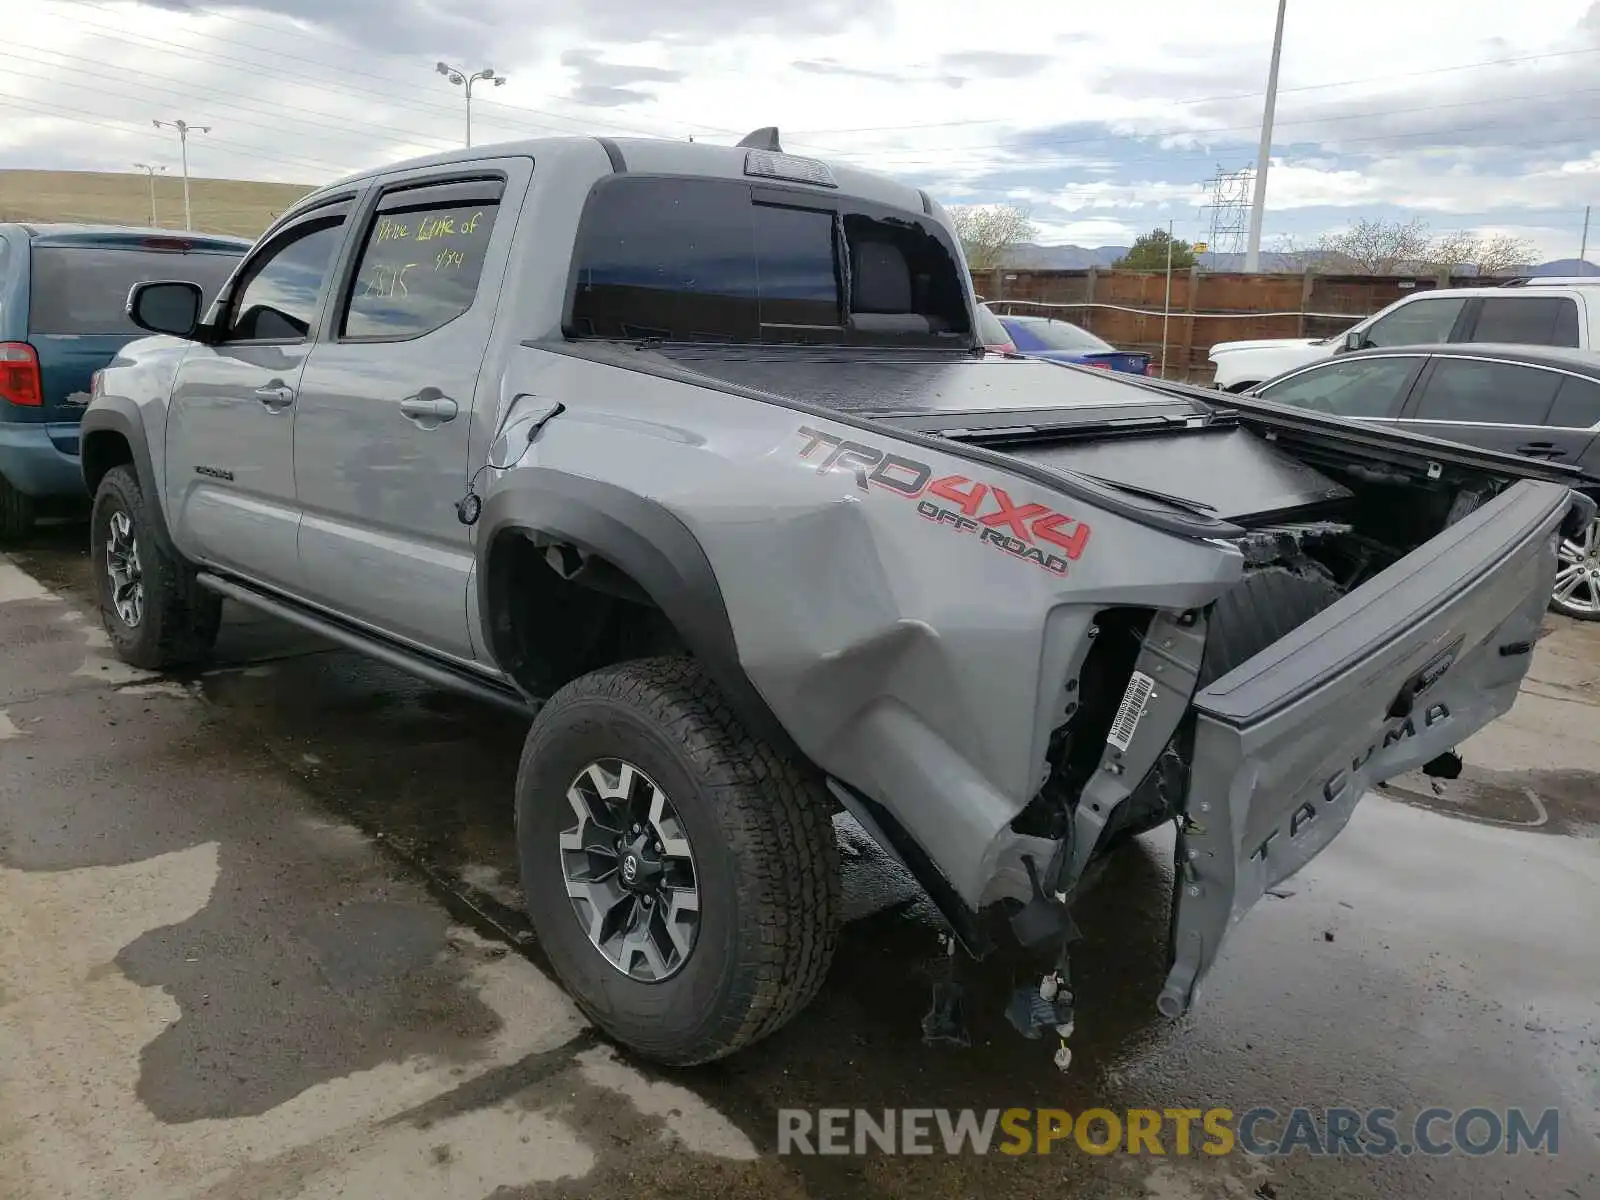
<point>681,874</point>
<point>154,612</point>
<point>1577,590</point>
<point>16,512</point>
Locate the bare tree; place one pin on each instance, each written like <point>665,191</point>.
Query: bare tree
<point>987,231</point>
<point>1377,247</point>
<point>1486,253</point>
<point>1293,253</point>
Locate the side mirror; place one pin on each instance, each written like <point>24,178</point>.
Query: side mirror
<point>1356,339</point>
<point>166,307</point>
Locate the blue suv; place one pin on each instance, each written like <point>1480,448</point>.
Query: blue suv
<point>63,296</point>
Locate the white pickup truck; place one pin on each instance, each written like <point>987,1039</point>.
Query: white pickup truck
<point>1553,312</point>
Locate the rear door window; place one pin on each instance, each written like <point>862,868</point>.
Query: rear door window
<point>1527,321</point>
<point>1487,393</point>
<point>84,289</point>
<point>1359,387</point>
<point>419,269</point>
<point>673,259</point>
<point>1417,324</point>
<point>1577,404</point>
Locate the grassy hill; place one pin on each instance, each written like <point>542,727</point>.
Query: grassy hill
<point>220,205</point>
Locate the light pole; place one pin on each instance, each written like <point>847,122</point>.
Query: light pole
<point>150,170</point>
<point>1252,251</point>
<point>466,79</point>
<point>184,130</point>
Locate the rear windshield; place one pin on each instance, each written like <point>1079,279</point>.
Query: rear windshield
<point>84,289</point>
<point>714,260</point>
<point>1062,335</point>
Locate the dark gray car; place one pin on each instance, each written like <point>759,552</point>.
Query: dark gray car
<point>1539,402</point>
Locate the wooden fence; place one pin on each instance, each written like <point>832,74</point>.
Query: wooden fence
<point>1127,308</point>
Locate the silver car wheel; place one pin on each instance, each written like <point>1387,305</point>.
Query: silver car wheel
<point>124,570</point>
<point>1577,588</point>
<point>630,872</point>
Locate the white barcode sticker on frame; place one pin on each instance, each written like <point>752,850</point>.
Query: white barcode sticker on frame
<point>1130,710</point>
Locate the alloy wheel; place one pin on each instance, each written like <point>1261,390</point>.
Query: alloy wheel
<point>124,570</point>
<point>1577,587</point>
<point>630,871</point>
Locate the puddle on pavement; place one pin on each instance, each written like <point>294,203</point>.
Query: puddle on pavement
<point>431,776</point>
<point>1560,802</point>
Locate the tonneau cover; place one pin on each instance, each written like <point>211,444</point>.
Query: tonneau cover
<point>875,382</point>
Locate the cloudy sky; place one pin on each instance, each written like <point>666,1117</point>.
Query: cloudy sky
<point>1105,119</point>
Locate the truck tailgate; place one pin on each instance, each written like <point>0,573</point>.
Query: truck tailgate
<point>1397,672</point>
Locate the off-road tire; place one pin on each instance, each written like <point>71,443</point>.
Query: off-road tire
<point>16,512</point>
<point>180,621</point>
<point>1266,605</point>
<point>766,861</point>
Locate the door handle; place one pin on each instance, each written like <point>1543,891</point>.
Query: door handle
<point>429,405</point>
<point>1540,449</point>
<point>276,396</point>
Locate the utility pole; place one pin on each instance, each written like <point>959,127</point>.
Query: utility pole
<point>150,170</point>
<point>184,130</point>
<point>463,78</point>
<point>1252,252</point>
<point>1583,246</point>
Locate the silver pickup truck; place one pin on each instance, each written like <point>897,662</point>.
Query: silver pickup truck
<point>691,451</point>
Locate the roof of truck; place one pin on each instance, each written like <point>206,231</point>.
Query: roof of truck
<point>661,156</point>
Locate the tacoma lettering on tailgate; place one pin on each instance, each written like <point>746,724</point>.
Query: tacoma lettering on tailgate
<point>970,506</point>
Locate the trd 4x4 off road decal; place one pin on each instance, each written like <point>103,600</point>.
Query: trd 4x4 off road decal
<point>1018,529</point>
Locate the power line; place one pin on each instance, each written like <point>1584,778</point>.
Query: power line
<point>1309,87</point>
<point>227,106</point>
<point>88,117</point>
<point>397,99</point>
<point>1013,163</point>
<point>1190,131</point>
<point>402,86</point>
<point>890,159</point>
<point>403,102</point>
<point>1108,188</point>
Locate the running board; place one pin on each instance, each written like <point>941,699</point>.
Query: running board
<point>414,662</point>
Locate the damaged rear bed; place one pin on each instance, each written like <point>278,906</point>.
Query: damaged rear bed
<point>1249,616</point>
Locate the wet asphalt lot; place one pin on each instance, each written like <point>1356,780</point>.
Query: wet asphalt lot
<point>259,937</point>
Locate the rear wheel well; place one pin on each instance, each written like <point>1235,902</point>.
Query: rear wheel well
<point>100,452</point>
<point>557,612</point>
